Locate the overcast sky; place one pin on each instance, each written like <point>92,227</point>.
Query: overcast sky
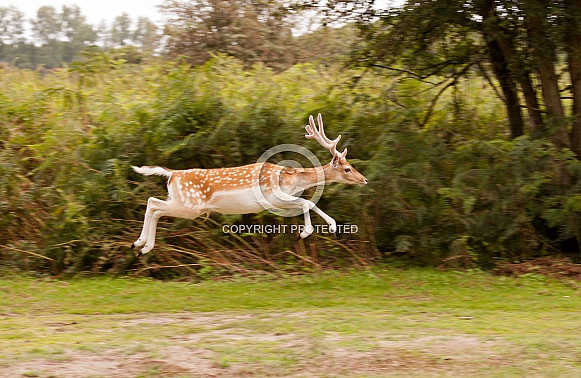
<point>95,10</point>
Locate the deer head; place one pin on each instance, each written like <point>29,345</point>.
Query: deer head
<point>339,170</point>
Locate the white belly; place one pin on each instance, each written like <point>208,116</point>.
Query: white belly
<point>234,202</point>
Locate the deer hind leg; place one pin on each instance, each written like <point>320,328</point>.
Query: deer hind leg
<point>156,209</point>
<point>153,205</point>
<point>151,231</point>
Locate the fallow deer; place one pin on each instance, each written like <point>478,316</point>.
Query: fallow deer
<point>246,189</point>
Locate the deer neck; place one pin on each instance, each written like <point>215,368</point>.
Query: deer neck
<point>309,177</point>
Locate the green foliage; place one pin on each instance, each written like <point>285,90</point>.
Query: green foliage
<point>439,191</point>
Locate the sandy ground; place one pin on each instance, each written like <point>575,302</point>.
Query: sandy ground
<point>327,355</point>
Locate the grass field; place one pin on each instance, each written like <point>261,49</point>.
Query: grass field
<point>380,322</point>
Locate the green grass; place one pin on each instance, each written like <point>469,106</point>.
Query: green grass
<point>378,322</point>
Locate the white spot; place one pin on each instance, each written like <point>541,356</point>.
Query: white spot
<point>180,189</point>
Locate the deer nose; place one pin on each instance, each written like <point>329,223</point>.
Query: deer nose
<point>364,181</point>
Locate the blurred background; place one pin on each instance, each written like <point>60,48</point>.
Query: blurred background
<point>463,115</point>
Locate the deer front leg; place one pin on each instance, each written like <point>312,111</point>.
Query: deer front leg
<point>308,226</point>
<point>308,205</point>
<point>330,221</point>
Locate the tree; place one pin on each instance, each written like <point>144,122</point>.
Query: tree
<point>521,42</point>
<point>11,26</point>
<point>103,34</point>
<point>326,45</point>
<point>120,32</point>
<point>11,32</point>
<point>47,30</point>
<point>63,35</point>
<point>252,31</point>
<point>76,32</point>
<point>145,34</point>
<point>47,26</point>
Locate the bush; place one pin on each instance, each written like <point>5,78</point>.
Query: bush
<point>438,191</point>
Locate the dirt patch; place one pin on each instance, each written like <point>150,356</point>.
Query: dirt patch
<point>217,345</point>
<point>75,364</point>
<point>72,364</point>
<point>453,355</point>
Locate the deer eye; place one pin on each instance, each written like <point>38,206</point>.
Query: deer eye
<point>347,169</point>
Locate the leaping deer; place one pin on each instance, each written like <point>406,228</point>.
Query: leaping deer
<point>246,189</point>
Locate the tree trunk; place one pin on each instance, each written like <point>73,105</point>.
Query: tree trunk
<point>543,51</point>
<point>537,127</point>
<point>574,61</point>
<point>509,89</point>
<point>499,51</point>
<point>517,68</point>
<point>573,48</point>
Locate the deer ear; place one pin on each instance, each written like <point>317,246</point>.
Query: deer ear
<point>335,161</point>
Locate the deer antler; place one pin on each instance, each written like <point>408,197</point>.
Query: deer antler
<point>319,136</point>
